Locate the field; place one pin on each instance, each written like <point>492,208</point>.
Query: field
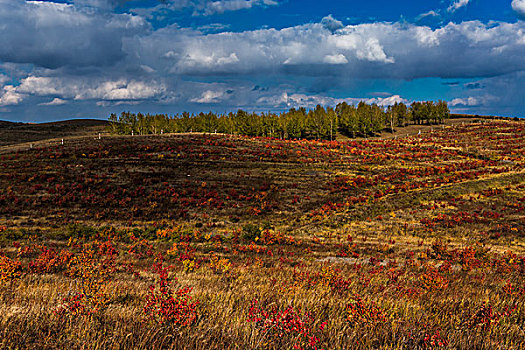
<point>203,241</point>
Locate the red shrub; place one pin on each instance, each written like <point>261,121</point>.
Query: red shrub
<point>281,326</point>
<point>170,308</point>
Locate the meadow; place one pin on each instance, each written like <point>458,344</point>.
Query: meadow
<point>212,241</point>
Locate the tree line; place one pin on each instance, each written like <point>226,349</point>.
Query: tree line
<point>318,123</point>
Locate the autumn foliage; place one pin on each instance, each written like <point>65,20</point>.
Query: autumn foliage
<point>220,242</point>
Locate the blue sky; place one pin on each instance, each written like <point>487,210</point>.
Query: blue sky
<point>88,58</point>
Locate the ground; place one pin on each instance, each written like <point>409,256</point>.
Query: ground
<point>22,135</point>
<point>218,241</point>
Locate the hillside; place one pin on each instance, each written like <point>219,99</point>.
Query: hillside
<point>18,133</point>
<point>192,241</point>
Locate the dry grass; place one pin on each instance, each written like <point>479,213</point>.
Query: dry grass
<point>438,264</point>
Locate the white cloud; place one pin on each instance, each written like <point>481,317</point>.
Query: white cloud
<point>426,36</point>
<point>213,7</point>
<point>89,89</point>
<point>457,4</point>
<point>386,50</point>
<point>335,59</point>
<point>55,102</point>
<point>388,101</point>
<point>285,100</point>
<point>9,96</point>
<point>209,97</point>
<point>467,101</point>
<point>120,90</point>
<point>430,13</point>
<point>473,101</point>
<point>60,35</point>
<point>266,49</point>
<point>519,7</point>
<point>116,103</point>
<point>214,27</point>
<point>232,58</point>
<point>96,4</point>
<point>275,101</point>
<point>202,7</point>
<point>79,52</point>
<point>203,59</point>
<point>373,52</point>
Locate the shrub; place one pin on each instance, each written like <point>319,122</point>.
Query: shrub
<point>251,232</point>
<point>280,327</point>
<point>9,269</point>
<point>361,312</point>
<point>167,307</point>
<point>79,230</point>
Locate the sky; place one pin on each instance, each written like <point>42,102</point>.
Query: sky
<point>67,59</point>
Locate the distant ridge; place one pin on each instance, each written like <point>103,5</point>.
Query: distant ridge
<point>476,116</point>
<point>12,133</point>
<point>79,122</point>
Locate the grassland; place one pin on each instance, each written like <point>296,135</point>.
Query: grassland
<point>220,242</point>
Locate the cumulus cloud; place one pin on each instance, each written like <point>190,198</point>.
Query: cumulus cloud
<point>266,49</point>
<point>473,101</point>
<point>385,50</point>
<point>373,52</point>
<point>331,23</point>
<point>56,35</point>
<point>90,89</point>
<point>84,53</point>
<point>390,100</point>
<point>209,96</point>
<point>457,4</point>
<point>286,100</point>
<point>213,7</point>
<point>9,96</point>
<point>97,4</point>
<point>519,7</point>
<point>53,35</point>
<point>335,59</point>
<point>54,102</point>
<point>198,58</point>
<point>468,101</point>
<point>499,95</point>
<point>202,7</point>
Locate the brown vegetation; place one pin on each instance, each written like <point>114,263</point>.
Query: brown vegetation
<point>219,242</point>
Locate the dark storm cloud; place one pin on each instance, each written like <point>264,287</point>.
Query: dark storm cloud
<point>473,86</point>
<point>53,35</point>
